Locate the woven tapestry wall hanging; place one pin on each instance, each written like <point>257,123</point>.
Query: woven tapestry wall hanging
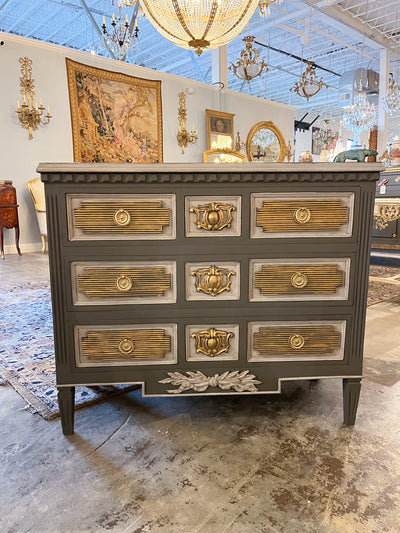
<point>116,118</point>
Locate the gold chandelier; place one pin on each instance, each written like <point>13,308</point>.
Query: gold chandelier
<point>198,25</point>
<point>248,66</point>
<point>264,8</point>
<point>308,86</point>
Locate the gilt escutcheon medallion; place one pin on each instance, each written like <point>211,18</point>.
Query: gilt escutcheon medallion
<point>212,342</point>
<point>214,216</point>
<point>213,280</point>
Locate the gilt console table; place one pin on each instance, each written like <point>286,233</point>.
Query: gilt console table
<point>204,279</point>
<point>386,228</point>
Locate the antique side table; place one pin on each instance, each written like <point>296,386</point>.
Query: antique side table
<point>8,212</point>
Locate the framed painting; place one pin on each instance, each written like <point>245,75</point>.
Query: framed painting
<point>220,130</point>
<point>115,118</point>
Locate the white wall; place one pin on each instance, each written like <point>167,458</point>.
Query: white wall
<point>53,143</point>
<point>303,142</point>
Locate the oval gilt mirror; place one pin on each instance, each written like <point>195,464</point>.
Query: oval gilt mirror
<point>265,143</point>
<point>223,156</point>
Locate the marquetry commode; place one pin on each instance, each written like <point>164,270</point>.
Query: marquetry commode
<point>205,279</point>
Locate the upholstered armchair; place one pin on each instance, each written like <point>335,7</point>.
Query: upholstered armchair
<point>36,189</point>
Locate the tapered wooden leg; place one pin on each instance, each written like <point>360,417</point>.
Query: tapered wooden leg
<point>43,244</point>
<point>17,239</point>
<point>66,402</point>
<point>351,394</point>
<point>2,242</point>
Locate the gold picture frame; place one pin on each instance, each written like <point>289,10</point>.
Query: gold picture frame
<point>220,131</point>
<point>115,118</point>
<point>273,149</point>
<point>223,156</point>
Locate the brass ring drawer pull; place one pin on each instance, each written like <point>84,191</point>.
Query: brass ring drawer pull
<point>299,280</point>
<point>126,346</point>
<point>122,217</point>
<point>296,341</point>
<point>302,215</point>
<point>124,283</point>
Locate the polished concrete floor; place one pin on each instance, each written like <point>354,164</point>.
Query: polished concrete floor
<point>238,464</point>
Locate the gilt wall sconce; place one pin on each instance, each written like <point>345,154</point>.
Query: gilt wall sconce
<point>183,136</point>
<point>29,113</point>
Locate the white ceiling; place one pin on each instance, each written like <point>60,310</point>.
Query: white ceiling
<point>338,35</point>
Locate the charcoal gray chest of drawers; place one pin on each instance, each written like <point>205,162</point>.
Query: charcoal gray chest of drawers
<point>197,279</point>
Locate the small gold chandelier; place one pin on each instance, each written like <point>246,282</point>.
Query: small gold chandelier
<point>198,25</point>
<point>264,8</point>
<point>248,66</point>
<point>29,113</point>
<point>308,86</point>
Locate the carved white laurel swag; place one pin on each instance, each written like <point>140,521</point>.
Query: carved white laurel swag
<point>199,382</point>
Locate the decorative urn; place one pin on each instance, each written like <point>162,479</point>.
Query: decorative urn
<point>305,157</point>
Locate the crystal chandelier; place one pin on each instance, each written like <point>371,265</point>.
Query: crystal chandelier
<point>248,66</point>
<point>199,25</point>
<point>308,86</point>
<point>325,135</point>
<point>264,8</point>
<point>391,102</point>
<point>121,37</point>
<point>358,117</point>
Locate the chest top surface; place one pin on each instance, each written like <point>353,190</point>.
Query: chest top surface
<point>207,173</point>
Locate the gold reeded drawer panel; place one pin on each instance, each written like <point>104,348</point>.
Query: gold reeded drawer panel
<point>313,214</point>
<point>112,345</point>
<point>276,341</point>
<point>301,279</point>
<point>121,216</point>
<point>138,282</point>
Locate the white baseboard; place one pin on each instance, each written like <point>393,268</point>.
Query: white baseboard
<point>25,248</point>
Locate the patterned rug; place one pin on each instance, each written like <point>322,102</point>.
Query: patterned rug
<point>27,351</point>
<point>384,283</point>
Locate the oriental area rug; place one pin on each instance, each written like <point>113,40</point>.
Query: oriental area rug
<point>27,350</point>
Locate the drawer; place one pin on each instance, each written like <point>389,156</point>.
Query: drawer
<point>213,216</point>
<point>143,344</point>
<point>134,282</point>
<point>121,216</point>
<point>305,341</point>
<point>302,215</point>
<point>212,342</point>
<point>299,279</point>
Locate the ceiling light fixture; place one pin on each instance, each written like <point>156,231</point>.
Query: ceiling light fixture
<point>248,66</point>
<point>123,34</point>
<point>264,9</point>
<point>308,86</point>
<point>358,117</point>
<point>391,102</point>
<point>323,135</point>
<point>198,24</point>
<point>361,115</point>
